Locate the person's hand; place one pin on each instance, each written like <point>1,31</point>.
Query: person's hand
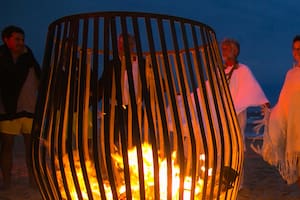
<point>265,109</point>
<point>100,114</point>
<point>258,124</point>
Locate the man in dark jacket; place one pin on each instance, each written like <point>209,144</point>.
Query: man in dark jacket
<point>106,81</point>
<point>19,79</point>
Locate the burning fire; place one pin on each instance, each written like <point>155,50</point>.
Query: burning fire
<point>133,164</point>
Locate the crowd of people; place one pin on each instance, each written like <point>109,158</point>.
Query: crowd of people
<point>19,82</point>
<point>281,137</point>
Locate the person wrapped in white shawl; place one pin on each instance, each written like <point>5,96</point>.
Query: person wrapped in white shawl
<point>244,88</point>
<point>282,131</point>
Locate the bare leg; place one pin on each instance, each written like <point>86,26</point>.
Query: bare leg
<point>298,182</point>
<point>6,158</point>
<point>27,144</point>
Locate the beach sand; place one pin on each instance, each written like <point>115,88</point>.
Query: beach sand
<point>20,189</point>
<point>262,181</point>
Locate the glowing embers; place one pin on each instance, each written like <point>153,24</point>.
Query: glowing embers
<point>134,177</point>
<point>70,180</point>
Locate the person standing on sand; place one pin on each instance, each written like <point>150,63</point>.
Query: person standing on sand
<point>244,88</point>
<point>19,79</point>
<point>281,142</point>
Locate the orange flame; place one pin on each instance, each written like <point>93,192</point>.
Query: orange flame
<point>133,165</point>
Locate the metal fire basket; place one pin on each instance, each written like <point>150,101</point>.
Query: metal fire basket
<point>159,123</point>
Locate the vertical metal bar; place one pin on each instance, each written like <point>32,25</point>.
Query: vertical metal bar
<point>202,83</point>
<point>173,103</point>
<point>108,24</point>
<point>146,95</point>
<point>39,149</point>
<point>83,109</point>
<point>97,156</point>
<point>106,104</point>
<point>184,95</point>
<point>160,102</point>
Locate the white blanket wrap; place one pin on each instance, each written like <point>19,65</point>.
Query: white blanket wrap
<point>281,146</point>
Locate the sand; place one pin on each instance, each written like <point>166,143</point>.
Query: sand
<point>262,181</point>
<point>20,189</point>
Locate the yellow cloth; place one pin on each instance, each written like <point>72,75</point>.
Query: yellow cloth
<point>17,126</point>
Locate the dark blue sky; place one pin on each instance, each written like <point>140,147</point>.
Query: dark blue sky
<point>265,29</point>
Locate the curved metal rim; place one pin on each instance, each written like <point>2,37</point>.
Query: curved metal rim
<point>130,14</point>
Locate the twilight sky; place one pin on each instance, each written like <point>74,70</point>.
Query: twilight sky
<point>265,29</point>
